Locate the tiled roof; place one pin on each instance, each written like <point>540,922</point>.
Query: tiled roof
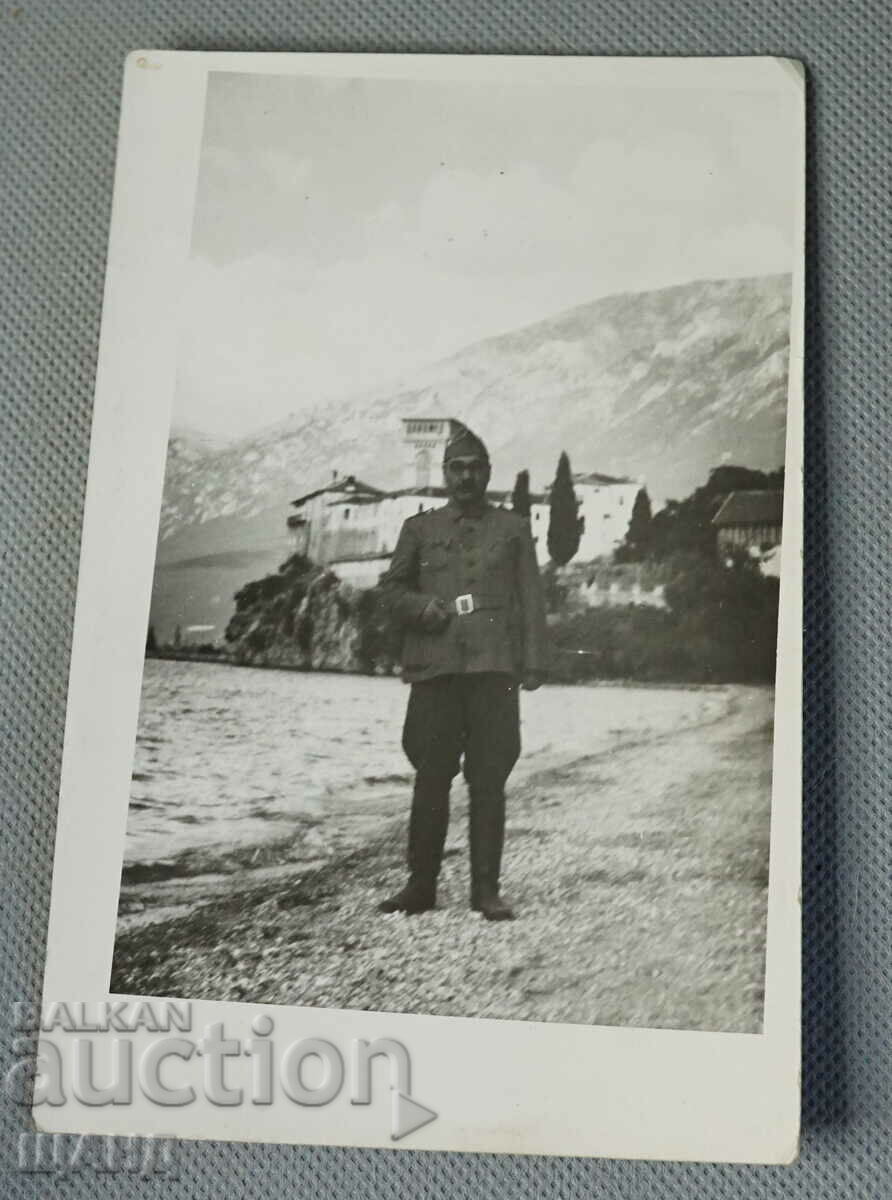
<point>597,478</point>
<point>415,491</point>
<point>383,555</point>
<point>347,484</point>
<point>751,508</point>
<point>451,421</point>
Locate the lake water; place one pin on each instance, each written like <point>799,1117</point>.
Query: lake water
<point>235,756</point>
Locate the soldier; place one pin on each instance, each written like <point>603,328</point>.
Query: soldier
<point>464,584</point>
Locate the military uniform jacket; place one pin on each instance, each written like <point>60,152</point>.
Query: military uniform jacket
<point>483,567</point>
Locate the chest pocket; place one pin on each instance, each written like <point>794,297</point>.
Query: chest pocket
<point>435,555</point>
<point>499,553</point>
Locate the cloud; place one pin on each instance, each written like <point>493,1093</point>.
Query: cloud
<point>632,217</point>
<point>751,248</point>
<point>469,254</point>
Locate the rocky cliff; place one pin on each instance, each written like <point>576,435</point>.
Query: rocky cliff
<point>304,617</point>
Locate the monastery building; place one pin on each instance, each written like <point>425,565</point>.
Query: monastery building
<point>352,526</point>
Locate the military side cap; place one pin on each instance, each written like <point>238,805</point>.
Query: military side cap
<point>465,444</point>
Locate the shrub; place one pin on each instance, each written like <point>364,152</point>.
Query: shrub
<point>720,626</point>
<point>275,598</point>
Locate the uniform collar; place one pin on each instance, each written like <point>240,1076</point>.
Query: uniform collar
<point>457,513</point>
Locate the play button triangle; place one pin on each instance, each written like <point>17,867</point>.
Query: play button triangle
<point>408,1115</point>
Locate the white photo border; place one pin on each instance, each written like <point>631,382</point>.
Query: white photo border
<point>498,1086</point>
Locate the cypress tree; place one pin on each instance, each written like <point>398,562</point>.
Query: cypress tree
<point>639,535</point>
<point>563,521</point>
<point>520,497</point>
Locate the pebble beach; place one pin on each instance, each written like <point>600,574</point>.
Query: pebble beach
<point>638,874</point>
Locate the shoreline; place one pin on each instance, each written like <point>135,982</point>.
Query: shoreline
<point>608,860</point>
<point>218,859</point>
<point>655,685</point>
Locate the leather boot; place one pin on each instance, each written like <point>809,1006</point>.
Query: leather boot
<point>487,835</point>
<point>428,821</point>
<point>493,908</point>
<point>412,899</point>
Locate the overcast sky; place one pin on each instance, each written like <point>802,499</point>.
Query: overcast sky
<point>347,231</point>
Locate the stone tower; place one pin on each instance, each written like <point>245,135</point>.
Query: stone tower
<point>424,440</point>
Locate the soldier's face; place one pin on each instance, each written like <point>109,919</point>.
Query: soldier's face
<point>466,478</point>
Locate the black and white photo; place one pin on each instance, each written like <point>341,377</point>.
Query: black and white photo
<point>461,661</point>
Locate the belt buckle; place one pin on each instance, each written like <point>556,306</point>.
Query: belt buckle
<point>464,604</point>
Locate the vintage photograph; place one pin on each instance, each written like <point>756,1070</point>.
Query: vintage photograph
<point>458,693</point>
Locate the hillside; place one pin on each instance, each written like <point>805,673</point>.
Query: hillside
<point>660,385</point>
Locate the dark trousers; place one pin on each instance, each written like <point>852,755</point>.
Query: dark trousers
<point>475,717</point>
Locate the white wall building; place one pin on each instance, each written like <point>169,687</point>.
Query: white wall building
<point>605,509</point>
<point>353,526</point>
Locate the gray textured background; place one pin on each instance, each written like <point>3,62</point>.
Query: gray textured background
<point>59,92</point>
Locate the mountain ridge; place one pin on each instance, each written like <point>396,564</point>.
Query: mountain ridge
<point>660,386</point>
<point>617,358</point>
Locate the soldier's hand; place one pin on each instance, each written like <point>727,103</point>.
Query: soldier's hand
<point>435,616</point>
<point>531,681</point>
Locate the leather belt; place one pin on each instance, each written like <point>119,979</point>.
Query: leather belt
<point>475,602</point>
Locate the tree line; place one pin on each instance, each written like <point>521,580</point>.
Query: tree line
<point>681,527</point>
<point>715,625</point>
<point>564,521</point>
